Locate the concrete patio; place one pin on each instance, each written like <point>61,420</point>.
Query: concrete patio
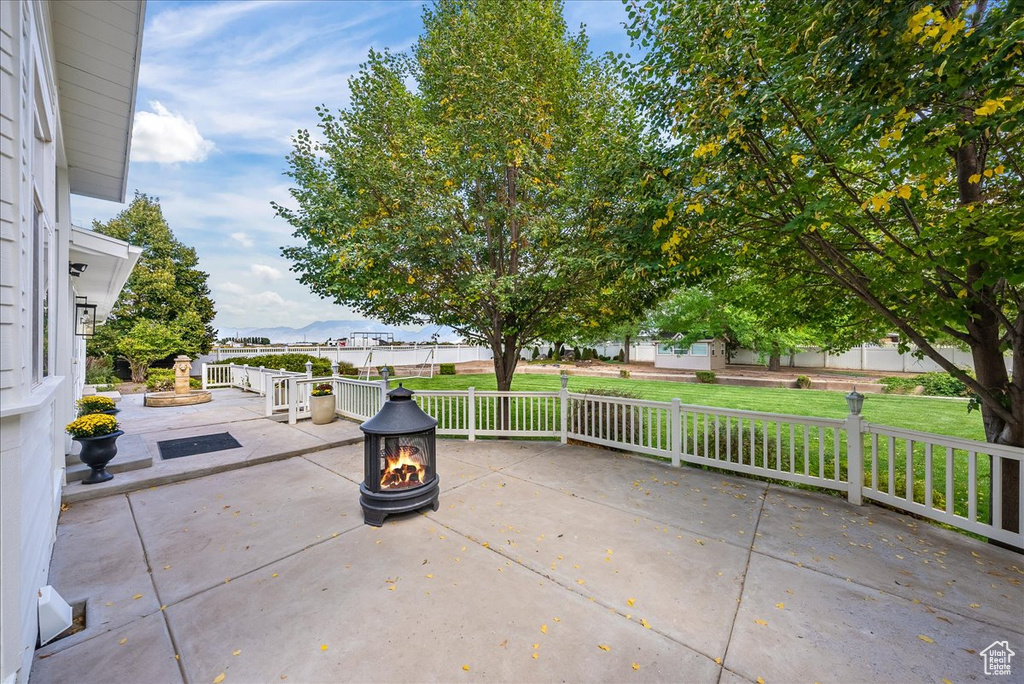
<point>544,563</point>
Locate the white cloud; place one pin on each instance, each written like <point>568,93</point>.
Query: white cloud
<point>263,271</point>
<point>243,239</point>
<point>231,288</point>
<point>168,138</point>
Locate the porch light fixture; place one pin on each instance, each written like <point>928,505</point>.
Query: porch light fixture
<point>77,269</point>
<point>85,317</point>
<point>854,401</point>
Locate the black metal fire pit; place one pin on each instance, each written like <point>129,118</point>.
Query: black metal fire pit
<point>399,471</point>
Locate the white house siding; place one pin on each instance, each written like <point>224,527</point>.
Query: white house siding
<point>31,447</point>
<point>715,359</point>
<point>35,230</point>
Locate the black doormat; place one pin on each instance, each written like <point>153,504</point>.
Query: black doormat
<point>202,444</point>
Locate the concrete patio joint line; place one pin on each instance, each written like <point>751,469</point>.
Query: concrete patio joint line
<point>743,581</point>
<point>568,587</point>
<point>156,592</point>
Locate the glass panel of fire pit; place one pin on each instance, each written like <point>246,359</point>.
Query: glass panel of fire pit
<point>403,462</point>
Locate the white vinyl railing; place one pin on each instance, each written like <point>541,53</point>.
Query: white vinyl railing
<point>951,480</point>
<point>954,481</point>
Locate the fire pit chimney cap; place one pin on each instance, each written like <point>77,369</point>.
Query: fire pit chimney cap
<point>400,394</point>
<point>399,416</point>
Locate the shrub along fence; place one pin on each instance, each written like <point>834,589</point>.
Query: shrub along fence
<point>947,479</point>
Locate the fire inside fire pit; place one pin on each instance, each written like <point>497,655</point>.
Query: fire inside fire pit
<point>404,468</point>
<point>399,464</point>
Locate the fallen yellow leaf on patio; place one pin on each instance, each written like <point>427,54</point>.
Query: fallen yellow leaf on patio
<point>274,575</point>
<point>430,577</point>
<point>760,680</point>
<point>975,554</point>
<point>761,622</point>
<point>780,606</point>
<point>536,655</point>
<point>237,652</point>
<point>636,666</point>
<point>604,647</point>
<point>136,597</point>
<point>163,607</point>
<point>926,639</point>
<point>487,545</point>
<point>645,623</point>
<point>718,661</point>
<point>580,582</point>
<point>123,641</point>
<point>391,588</point>
<point>975,605</point>
<point>323,647</point>
<point>466,668</point>
<point>946,681</point>
<point>167,567</point>
<point>630,601</point>
<point>219,678</point>
<point>543,629</point>
<point>536,646</point>
<point>558,619</point>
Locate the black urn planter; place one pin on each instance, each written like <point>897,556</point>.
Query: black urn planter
<point>112,412</point>
<point>97,452</point>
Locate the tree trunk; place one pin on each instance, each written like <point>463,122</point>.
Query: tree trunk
<point>775,358</point>
<point>506,357</point>
<point>138,371</point>
<point>990,368</point>
<point>625,349</point>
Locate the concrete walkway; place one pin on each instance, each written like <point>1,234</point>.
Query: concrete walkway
<point>544,563</point>
<point>239,413</point>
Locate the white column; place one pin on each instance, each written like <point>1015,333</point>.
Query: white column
<point>855,458</point>
<point>563,399</point>
<point>677,431</point>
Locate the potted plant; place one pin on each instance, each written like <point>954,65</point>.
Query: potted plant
<point>321,403</point>
<point>97,433</point>
<point>96,404</point>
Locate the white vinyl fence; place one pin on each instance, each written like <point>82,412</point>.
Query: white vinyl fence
<point>947,479</point>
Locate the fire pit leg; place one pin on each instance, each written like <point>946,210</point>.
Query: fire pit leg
<point>375,518</point>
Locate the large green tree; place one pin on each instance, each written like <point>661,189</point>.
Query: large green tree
<point>165,287</point>
<point>481,182</point>
<point>876,144</point>
<point>769,313</point>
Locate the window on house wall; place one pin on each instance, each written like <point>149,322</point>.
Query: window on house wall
<point>40,298</point>
<point>676,349</point>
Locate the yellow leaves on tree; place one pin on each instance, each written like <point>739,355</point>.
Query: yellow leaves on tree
<point>991,106</point>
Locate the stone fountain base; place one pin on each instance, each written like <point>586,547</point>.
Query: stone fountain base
<point>174,399</point>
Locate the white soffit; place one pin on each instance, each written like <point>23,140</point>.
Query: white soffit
<point>97,44</point>
<point>110,262</point>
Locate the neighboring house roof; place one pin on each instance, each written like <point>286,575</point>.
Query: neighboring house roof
<point>110,262</point>
<point>97,47</point>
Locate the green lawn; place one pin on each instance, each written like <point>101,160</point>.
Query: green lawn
<point>941,416</point>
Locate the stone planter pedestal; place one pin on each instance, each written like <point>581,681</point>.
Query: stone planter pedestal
<point>322,409</point>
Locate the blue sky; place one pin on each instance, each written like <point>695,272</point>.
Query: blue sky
<point>222,88</point>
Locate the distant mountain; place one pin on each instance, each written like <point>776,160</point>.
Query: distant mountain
<point>321,331</point>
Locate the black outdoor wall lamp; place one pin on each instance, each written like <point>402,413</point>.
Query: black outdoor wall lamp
<point>77,269</point>
<point>85,317</point>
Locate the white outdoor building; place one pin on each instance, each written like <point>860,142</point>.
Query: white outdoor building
<point>700,355</point>
<point>68,75</point>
